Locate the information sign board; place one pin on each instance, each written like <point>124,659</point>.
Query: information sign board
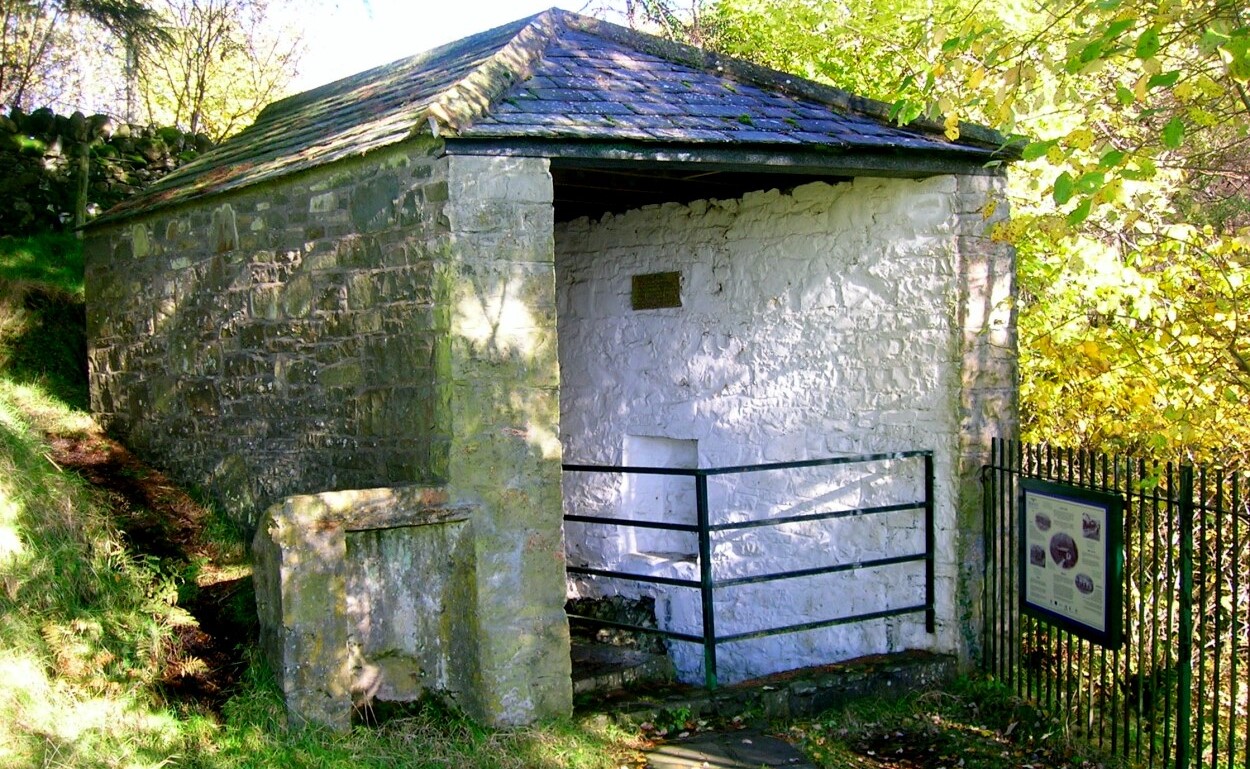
<point>1072,559</point>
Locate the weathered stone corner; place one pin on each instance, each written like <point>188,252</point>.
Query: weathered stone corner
<point>364,594</point>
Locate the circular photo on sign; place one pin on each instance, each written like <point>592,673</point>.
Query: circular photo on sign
<point>1063,550</point>
<point>1042,521</point>
<point>1091,527</point>
<point>1084,583</point>
<point>1037,555</point>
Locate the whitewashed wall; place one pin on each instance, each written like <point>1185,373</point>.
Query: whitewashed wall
<point>813,323</point>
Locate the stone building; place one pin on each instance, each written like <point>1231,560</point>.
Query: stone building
<point>375,323</point>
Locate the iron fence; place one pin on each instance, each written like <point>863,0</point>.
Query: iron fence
<point>1175,693</point>
<point>707,529</point>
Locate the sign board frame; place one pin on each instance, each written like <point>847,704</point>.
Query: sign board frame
<point>1072,559</point>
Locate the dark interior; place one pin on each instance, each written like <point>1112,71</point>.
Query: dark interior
<point>595,191</point>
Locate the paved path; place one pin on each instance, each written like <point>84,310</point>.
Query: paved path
<point>727,750</point>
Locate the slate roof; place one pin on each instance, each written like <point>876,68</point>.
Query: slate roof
<point>554,77</point>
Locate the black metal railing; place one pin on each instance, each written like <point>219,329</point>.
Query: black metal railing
<point>1175,693</point>
<point>704,528</point>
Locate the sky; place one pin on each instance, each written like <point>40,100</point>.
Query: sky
<point>343,37</point>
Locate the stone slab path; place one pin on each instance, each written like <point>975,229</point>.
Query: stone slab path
<point>727,750</point>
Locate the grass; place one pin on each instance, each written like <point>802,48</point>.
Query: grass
<point>972,724</point>
<point>53,261</point>
<point>82,622</point>
<point>43,336</point>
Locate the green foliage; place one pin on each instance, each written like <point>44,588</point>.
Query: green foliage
<point>36,34</point>
<point>1130,208</point>
<point>225,61</point>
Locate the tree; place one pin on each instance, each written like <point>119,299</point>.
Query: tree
<point>224,63</point>
<point>1131,209</point>
<point>668,18</point>
<point>34,40</point>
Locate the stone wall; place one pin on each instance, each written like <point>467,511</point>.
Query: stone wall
<point>831,319</point>
<point>281,340</point>
<point>59,171</point>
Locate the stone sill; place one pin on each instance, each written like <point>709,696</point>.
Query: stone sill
<point>389,507</point>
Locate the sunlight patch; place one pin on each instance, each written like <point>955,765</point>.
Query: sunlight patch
<point>10,542</point>
<point>500,322</point>
<point>44,411</point>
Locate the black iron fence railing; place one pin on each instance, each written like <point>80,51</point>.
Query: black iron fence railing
<point>706,530</point>
<point>1175,693</point>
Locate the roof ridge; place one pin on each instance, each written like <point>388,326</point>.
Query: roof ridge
<point>472,97</point>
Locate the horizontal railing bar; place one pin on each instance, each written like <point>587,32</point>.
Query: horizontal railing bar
<point>821,624</point>
<point>639,470</point>
<point>633,523</point>
<point>841,567</point>
<point>695,472</point>
<point>626,626</point>
<point>633,577</point>
<point>848,460</point>
<point>755,524</point>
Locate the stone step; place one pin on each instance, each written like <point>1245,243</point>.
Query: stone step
<point>604,667</point>
<point>795,694</point>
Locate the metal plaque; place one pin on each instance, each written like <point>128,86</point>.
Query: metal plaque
<point>656,291</point>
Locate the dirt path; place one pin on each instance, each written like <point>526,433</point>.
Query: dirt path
<point>161,520</point>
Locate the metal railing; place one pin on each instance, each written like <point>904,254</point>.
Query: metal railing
<point>1175,693</point>
<point>706,530</point>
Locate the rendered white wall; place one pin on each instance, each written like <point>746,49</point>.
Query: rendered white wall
<point>814,323</point>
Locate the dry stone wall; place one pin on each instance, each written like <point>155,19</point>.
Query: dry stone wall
<point>57,168</point>
<point>864,317</point>
<point>281,340</point>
